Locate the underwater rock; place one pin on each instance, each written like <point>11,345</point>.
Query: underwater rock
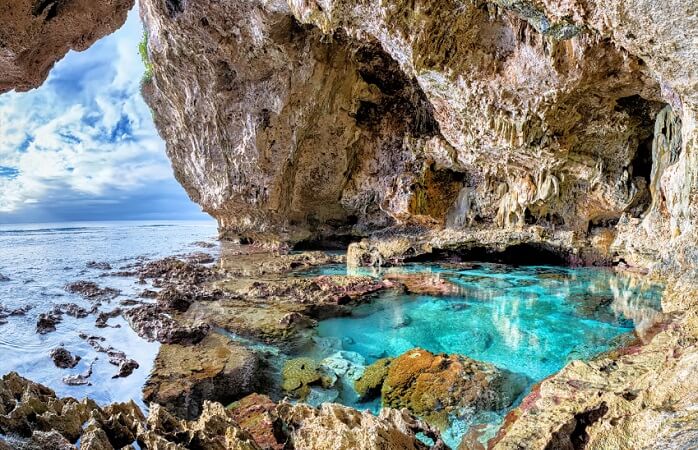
<point>154,324</point>
<point>424,284</point>
<point>63,359</point>
<point>216,368</point>
<point>369,385</point>
<point>91,291</point>
<point>98,265</point>
<point>434,387</point>
<point>300,374</point>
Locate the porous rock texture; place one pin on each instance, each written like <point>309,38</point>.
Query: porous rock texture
<point>35,34</point>
<point>292,120</point>
<point>32,417</point>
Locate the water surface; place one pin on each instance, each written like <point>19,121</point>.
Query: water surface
<point>529,320</point>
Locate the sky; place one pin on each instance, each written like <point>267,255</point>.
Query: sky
<point>83,146</point>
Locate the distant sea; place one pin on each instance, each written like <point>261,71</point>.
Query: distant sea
<point>40,259</point>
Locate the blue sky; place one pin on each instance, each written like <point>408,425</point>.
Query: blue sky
<point>83,146</point>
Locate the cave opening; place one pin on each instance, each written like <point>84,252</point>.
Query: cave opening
<point>522,254</point>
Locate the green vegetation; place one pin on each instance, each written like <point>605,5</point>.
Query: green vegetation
<point>143,50</point>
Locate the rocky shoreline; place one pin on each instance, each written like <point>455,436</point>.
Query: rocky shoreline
<point>214,321</point>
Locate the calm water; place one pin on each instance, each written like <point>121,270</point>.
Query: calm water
<point>529,320</point>
<point>41,259</point>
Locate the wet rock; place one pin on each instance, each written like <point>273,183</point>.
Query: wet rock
<point>436,386</point>
<point>98,265</point>
<point>91,291</point>
<point>79,379</point>
<point>126,368</point>
<point>369,385</point>
<point>154,324</point>
<point>148,293</point>
<point>103,317</point>
<point>199,258</point>
<point>300,374</point>
<point>76,311</point>
<point>63,359</point>
<point>252,261</point>
<point>204,244</point>
<point>5,313</point>
<point>115,357</point>
<point>173,270</point>
<point>184,376</point>
<point>424,284</point>
<point>46,323</point>
<point>4,278</point>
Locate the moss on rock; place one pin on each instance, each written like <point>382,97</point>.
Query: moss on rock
<point>370,383</point>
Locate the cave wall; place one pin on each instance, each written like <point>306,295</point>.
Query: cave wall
<point>34,34</point>
<point>291,119</point>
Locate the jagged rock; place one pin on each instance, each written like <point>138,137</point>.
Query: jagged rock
<point>76,311</point>
<point>91,291</point>
<point>371,381</point>
<point>173,270</point>
<point>257,415</point>
<point>415,116</point>
<point>214,429</point>
<point>154,324</point>
<point>63,359</point>
<point>46,323</point>
<point>337,427</point>
<point>214,369</point>
<point>37,34</point>
<point>435,387</point>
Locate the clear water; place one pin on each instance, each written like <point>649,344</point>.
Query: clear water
<point>529,320</point>
<point>40,259</point>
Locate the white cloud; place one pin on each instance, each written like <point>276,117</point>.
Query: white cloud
<point>86,133</point>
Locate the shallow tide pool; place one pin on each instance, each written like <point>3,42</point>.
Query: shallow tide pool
<point>529,320</point>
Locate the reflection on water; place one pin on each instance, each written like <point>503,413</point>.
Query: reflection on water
<point>530,320</point>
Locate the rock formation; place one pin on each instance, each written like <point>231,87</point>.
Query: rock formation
<point>33,417</point>
<point>294,120</point>
<point>35,34</point>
